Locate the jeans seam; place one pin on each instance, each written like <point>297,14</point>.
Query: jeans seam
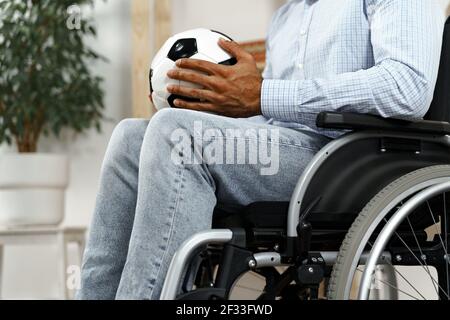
<point>294,145</point>
<point>168,241</point>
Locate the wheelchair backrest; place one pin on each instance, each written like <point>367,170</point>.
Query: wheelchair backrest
<point>440,107</point>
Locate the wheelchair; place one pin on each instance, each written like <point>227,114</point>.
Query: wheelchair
<point>350,231</point>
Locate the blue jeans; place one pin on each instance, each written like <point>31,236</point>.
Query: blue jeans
<point>153,195</point>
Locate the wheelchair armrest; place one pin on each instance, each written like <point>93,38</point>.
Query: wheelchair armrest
<point>357,122</point>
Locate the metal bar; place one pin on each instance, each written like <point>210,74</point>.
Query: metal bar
<point>184,253</point>
<point>330,258</point>
<point>267,259</point>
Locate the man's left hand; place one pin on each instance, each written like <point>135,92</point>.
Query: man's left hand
<point>233,91</point>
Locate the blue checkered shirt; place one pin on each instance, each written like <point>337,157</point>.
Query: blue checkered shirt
<point>368,56</point>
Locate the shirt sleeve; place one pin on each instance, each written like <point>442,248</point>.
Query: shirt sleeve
<point>406,36</point>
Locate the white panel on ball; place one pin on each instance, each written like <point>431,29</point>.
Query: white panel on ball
<point>208,45</point>
<point>199,44</point>
<point>161,81</point>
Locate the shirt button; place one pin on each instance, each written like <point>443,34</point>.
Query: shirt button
<point>301,66</point>
<point>303,32</point>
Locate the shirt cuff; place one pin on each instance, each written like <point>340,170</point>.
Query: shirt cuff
<point>279,99</point>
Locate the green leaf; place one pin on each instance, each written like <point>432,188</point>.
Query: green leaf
<point>46,84</point>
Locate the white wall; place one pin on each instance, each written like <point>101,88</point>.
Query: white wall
<point>444,3</point>
<point>241,20</point>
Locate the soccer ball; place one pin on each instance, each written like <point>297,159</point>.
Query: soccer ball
<point>199,44</point>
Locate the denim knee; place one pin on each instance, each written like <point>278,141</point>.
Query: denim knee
<point>126,141</point>
<point>166,121</point>
<point>128,129</point>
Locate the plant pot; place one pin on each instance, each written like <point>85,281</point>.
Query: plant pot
<point>32,189</point>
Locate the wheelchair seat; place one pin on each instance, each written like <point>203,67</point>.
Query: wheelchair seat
<point>265,225</point>
<point>256,215</point>
<point>274,215</point>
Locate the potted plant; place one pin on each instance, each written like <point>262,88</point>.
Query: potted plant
<point>46,87</point>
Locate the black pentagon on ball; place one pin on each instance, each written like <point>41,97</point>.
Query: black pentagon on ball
<point>183,48</point>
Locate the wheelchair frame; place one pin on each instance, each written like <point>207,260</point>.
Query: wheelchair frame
<point>295,221</point>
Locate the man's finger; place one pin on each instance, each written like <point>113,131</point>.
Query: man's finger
<point>194,77</point>
<point>196,93</point>
<point>197,106</point>
<point>234,49</point>
<point>200,65</point>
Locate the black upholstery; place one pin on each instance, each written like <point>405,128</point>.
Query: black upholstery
<point>272,215</point>
<point>261,215</point>
<point>348,179</point>
<point>440,107</point>
<point>266,223</point>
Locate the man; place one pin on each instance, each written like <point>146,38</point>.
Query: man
<point>366,56</point>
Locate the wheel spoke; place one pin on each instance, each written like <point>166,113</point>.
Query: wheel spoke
<point>403,277</point>
<point>418,260</point>
<point>249,288</point>
<point>447,258</point>
<point>394,287</point>
<point>442,241</point>
<point>435,223</point>
<point>421,252</point>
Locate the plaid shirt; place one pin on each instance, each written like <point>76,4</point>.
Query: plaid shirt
<point>367,56</point>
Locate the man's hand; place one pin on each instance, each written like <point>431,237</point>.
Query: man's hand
<point>233,91</point>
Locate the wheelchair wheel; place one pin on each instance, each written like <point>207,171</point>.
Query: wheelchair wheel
<point>397,248</point>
